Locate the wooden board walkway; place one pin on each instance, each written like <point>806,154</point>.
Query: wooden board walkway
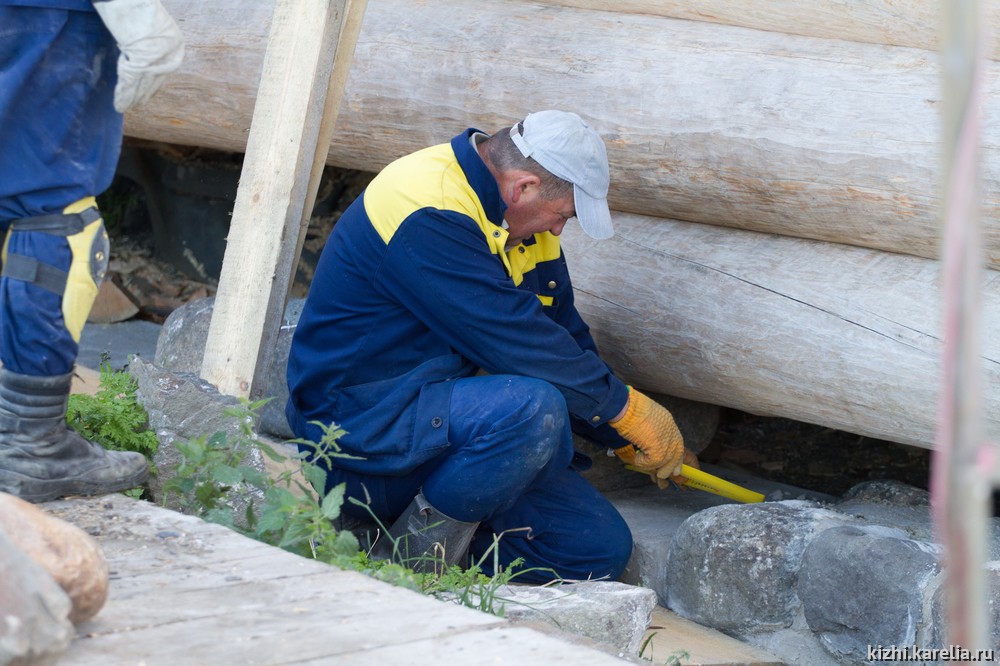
<point>672,636</point>
<point>188,592</point>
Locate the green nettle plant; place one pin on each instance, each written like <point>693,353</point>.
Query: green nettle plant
<point>294,517</point>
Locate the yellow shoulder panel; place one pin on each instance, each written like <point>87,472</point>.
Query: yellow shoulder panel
<point>429,178</point>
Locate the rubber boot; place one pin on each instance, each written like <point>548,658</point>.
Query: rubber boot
<point>41,459</point>
<point>423,538</point>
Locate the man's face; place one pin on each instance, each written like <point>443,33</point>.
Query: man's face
<point>531,214</point>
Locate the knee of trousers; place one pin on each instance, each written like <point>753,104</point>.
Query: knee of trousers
<point>618,544</point>
<point>544,428</point>
<point>601,550</point>
<point>80,230</point>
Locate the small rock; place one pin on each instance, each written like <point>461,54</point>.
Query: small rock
<point>34,611</point>
<point>183,406</point>
<point>611,613</point>
<point>889,492</point>
<point>71,556</point>
<point>862,586</point>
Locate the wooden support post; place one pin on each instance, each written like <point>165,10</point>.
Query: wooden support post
<point>305,68</point>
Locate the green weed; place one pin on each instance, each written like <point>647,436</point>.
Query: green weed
<point>113,417</point>
<point>295,518</point>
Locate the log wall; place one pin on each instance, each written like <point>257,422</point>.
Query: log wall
<point>777,192</point>
<point>814,138</point>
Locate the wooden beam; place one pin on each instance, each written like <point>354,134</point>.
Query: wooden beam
<point>294,114</point>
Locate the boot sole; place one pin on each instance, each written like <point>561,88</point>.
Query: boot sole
<point>35,490</point>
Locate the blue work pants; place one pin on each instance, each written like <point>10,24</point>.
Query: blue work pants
<point>508,466</point>
<point>60,139</point>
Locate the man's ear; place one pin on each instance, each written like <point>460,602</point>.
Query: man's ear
<point>525,184</point>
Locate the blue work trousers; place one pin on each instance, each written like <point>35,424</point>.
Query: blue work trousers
<point>508,467</point>
<point>60,139</point>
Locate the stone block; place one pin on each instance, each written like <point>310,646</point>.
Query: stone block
<point>181,348</point>
<point>734,567</point>
<point>611,613</point>
<point>936,629</point>
<point>864,585</point>
<point>898,505</point>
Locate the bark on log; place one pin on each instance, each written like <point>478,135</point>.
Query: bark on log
<point>840,336</point>
<point>813,138</point>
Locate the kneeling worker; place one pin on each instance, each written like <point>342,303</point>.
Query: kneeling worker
<point>440,333</point>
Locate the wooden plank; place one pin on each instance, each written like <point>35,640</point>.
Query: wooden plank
<point>671,635</point>
<point>274,188</point>
<point>183,591</point>
<point>813,138</point>
<point>818,332</point>
<point>349,31</point>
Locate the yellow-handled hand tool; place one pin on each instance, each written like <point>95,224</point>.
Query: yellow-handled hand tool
<point>712,484</point>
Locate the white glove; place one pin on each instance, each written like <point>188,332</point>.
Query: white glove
<point>151,47</point>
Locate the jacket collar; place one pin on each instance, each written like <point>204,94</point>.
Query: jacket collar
<point>479,176</point>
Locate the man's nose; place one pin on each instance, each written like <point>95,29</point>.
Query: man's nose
<point>558,227</point>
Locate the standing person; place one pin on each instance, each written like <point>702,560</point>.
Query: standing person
<point>68,69</point>
<point>440,332</point>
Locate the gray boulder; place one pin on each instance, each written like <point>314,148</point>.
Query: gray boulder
<point>182,407</point>
<point>898,505</point>
<point>937,633</point>
<point>864,586</point>
<point>181,349</point>
<point>735,567</point>
<point>611,613</point>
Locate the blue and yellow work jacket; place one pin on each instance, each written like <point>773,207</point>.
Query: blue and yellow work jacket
<point>414,289</point>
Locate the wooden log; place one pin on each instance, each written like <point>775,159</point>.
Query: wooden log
<point>914,23</point>
<point>814,138</point>
<point>839,336</point>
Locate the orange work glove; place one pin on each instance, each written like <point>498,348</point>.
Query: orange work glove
<point>689,459</point>
<point>655,446</point>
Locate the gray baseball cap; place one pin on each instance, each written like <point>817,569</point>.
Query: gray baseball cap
<point>567,147</point>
